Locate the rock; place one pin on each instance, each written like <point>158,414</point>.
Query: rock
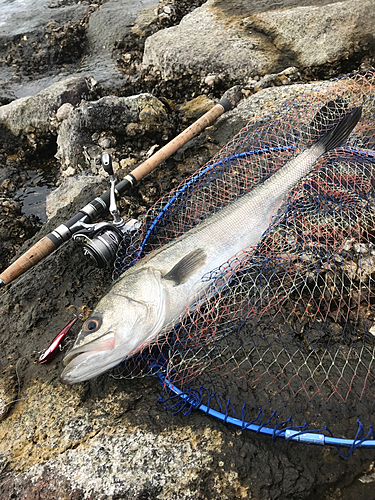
<point>69,172</point>
<point>68,190</point>
<point>38,111</point>
<point>203,44</point>
<point>112,22</point>
<point>210,80</point>
<point>319,34</point>
<point>116,167</point>
<point>37,40</point>
<point>15,229</point>
<point>283,78</point>
<point>108,439</point>
<point>265,103</point>
<point>52,41</point>
<point>113,441</point>
<point>195,108</point>
<point>32,17</point>
<point>107,140</point>
<point>125,163</point>
<point>8,390</point>
<point>109,114</point>
<point>63,111</point>
<point>147,17</point>
<point>151,114</point>
<point>239,39</point>
<point>106,28</point>
<point>6,96</point>
<point>270,103</point>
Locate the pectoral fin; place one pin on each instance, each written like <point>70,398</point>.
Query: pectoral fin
<point>187,266</point>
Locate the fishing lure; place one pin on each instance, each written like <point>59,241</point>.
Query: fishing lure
<point>51,351</point>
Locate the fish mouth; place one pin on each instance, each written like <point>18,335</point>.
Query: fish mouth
<point>78,355</point>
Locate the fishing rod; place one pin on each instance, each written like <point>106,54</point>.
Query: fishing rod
<point>102,239</point>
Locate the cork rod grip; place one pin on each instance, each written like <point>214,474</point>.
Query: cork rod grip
<point>176,143</point>
<point>34,255</point>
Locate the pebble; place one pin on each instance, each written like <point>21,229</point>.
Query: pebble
<point>127,162</point>
<point>104,142</point>
<point>69,172</point>
<point>6,184</point>
<point>210,80</point>
<point>64,111</point>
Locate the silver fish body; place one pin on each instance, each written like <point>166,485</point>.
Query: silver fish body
<point>153,294</point>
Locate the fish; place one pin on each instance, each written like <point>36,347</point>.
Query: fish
<point>154,293</point>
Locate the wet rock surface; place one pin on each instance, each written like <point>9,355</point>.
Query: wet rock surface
<point>106,438</point>
<point>109,438</point>
<point>37,38</point>
<point>42,46</point>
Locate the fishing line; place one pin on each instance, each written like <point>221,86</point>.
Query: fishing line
<point>5,414</point>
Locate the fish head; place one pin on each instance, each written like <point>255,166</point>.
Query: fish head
<point>120,324</point>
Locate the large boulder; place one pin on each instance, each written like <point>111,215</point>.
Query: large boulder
<point>320,33</point>
<point>112,22</point>
<point>108,439</point>
<point>32,17</point>
<point>33,116</point>
<point>239,39</point>
<point>203,43</point>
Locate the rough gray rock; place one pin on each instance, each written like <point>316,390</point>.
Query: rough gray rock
<point>239,40</point>
<point>319,34</point>
<point>34,115</point>
<point>67,191</point>
<point>112,22</point>
<point>76,147</point>
<point>108,439</point>
<point>268,103</point>
<point>203,44</point>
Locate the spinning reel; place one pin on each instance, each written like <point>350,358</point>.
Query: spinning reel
<point>101,240</point>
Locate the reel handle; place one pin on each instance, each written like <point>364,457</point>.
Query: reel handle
<point>107,164</point>
<point>34,255</point>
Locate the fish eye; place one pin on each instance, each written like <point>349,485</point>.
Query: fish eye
<point>93,324</point>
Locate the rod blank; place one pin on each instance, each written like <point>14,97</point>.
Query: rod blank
<point>176,143</point>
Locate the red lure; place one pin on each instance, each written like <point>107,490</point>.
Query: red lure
<point>51,352</point>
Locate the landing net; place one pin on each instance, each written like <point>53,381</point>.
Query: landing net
<point>284,340</point>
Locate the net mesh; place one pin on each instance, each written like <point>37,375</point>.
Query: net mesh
<point>284,332</point>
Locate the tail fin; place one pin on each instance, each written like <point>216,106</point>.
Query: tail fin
<point>335,137</point>
<point>326,118</point>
